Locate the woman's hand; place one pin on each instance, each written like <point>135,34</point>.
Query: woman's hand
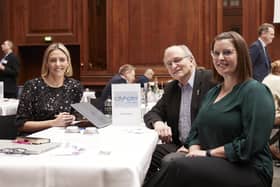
<point>215,152</point>
<point>63,119</point>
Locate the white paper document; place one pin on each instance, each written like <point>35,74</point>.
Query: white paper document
<point>276,18</point>
<point>126,104</point>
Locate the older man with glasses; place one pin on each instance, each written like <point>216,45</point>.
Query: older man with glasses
<point>174,113</point>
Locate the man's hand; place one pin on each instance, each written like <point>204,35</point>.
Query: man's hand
<point>164,131</point>
<point>183,150</point>
<point>196,153</point>
<point>2,67</point>
<point>195,150</point>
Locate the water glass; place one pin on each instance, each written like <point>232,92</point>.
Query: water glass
<point>1,89</point>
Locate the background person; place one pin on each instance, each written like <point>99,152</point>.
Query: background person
<point>126,74</point>
<point>228,142</point>
<point>272,81</point>
<point>258,52</point>
<point>174,113</point>
<point>147,77</point>
<point>9,70</point>
<point>46,101</point>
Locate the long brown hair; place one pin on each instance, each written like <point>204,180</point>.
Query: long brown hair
<point>244,65</point>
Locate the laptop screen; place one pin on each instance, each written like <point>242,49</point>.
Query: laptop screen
<point>91,113</point>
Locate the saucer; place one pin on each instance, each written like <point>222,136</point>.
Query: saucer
<point>91,130</point>
<point>72,129</point>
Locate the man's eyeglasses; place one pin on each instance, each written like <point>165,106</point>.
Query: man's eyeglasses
<point>175,60</point>
<point>225,53</point>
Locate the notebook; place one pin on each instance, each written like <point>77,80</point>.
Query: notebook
<point>91,113</point>
<point>9,147</point>
<point>33,140</point>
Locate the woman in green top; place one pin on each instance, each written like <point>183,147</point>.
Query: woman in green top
<point>228,142</point>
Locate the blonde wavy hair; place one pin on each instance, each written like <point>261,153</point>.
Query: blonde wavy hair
<point>51,48</point>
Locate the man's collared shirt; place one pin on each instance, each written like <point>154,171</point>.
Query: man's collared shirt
<point>265,51</point>
<point>185,109</point>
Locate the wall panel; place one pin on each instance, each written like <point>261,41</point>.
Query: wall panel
<point>102,35</point>
<point>251,19</point>
<point>5,21</point>
<point>141,30</point>
<point>256,12</point>
<point>267,16</point>
<point>34,19</point>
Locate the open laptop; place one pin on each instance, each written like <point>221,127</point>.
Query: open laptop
<point>91,113</point>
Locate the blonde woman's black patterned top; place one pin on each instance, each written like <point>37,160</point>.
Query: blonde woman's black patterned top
<point>39,102</point>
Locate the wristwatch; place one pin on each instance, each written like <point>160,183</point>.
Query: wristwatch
<point>208,153</point>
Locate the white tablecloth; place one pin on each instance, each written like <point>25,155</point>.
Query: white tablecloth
<point>115,157</point>
<point>8,107</point>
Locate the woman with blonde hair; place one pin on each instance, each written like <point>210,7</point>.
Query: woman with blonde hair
<point>46,101</point>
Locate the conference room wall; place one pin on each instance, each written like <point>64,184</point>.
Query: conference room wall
<point>109,33</point>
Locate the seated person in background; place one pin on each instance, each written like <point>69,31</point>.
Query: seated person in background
<point>147,77</point>
<point>46,101</point>
<point>272,80</point>
<point>126,75</point>
<point>228,142</point>
<point>9,70</point>
<point>173,114</point>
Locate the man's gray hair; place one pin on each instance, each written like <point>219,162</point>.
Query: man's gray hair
<point>186,51</point>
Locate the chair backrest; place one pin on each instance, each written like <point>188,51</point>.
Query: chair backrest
<point>19,90</point>
<point>8,129</point>
<point>96,102</point>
